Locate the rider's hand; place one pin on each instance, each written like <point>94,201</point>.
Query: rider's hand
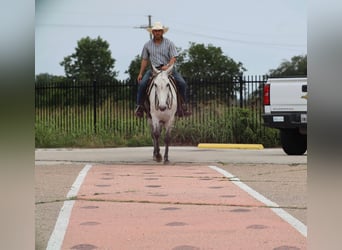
<point>139,78</point>
<point>165,67</point>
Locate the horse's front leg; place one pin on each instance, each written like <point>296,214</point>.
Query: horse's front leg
<point>156,149</point>
<point>167,142</point>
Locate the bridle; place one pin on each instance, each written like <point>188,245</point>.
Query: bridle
<point>169,99</point>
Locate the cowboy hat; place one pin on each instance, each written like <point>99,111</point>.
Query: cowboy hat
<point>157,26</point>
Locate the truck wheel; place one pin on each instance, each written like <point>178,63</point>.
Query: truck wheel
<point>293,142</point>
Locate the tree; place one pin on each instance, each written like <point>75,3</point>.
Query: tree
<point>49,88</point>
<point>134,68</point>
<point>200,61</point>
<point>44,78</point>
<point>91,61</point>
<point>296,67</point>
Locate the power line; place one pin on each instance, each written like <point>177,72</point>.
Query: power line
<point>240,41</point>
<point>291,46</point>
<point>84,25</point>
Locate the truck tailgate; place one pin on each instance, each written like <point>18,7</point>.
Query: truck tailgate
<point>285,99</point>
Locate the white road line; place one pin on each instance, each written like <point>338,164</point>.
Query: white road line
<point>298,225</point>
<point>78,182</point>
<point>57,236</point>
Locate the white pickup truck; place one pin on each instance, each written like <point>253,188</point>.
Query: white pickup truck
<point>285,108</point>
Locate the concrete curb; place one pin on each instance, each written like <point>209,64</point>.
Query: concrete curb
<point>230,146</point>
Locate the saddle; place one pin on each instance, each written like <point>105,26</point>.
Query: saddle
<point>146,101</point>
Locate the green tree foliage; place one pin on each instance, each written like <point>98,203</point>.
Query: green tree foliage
<point>206,64</point>
<point>92,60</point>
<point>43,82</point>
<point>44,78</point>
<point>133,69</point>
<point>296,67</point>
<point>200,61</point>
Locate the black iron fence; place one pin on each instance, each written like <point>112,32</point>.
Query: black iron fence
<point>92,107</point>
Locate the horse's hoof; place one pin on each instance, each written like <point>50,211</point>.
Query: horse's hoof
<point>166,162</point>
<point>157,158</point>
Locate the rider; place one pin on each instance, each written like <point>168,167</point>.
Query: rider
<point>161,53</point>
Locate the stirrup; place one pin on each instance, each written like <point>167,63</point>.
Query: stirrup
<point>182,111</point>
<point>139,111</point>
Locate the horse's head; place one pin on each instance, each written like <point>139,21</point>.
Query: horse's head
<point>163,88</point>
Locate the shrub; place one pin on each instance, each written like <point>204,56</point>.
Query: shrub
<point>234,125</point>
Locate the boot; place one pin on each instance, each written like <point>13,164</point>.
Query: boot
<point>182,111</point>
<point>139,111</point>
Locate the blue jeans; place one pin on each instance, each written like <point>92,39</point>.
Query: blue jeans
<point>143,84</point>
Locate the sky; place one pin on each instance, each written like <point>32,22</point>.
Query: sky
<point>260,34</point>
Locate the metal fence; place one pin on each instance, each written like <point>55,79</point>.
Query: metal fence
<point>92,107</point>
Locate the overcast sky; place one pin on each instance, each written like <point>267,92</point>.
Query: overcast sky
<point>259,33</point>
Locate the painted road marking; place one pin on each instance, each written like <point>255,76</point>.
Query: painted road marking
<point>57,236</point>
<point>230,146</point>
<point>298,225</point>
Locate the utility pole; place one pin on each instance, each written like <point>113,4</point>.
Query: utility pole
<point>150,24</point>
<point>146,26</point>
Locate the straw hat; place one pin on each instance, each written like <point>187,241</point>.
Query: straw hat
<point>158,26</point>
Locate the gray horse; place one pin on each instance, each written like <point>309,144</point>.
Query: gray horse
<point>163,107</point>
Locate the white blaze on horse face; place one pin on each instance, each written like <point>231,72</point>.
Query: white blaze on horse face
<point>163,93</point>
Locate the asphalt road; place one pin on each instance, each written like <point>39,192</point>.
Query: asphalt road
<point>177,155</point>
<point>277,176</point>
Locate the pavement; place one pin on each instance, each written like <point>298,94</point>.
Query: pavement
<point>123,200</point>
<point>177,155</point>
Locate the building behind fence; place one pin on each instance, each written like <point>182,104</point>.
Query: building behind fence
<point>94,107</point>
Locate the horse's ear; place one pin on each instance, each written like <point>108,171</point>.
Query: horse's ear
<point>169,70</point>
<point>154,70</point>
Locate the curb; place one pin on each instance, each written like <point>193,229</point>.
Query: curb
<point>230,146</point>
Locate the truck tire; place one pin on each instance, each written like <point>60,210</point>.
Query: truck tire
<point>293,142</point>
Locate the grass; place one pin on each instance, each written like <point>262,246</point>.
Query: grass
<point>75,128</point>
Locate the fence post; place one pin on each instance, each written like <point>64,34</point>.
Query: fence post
<point>241,90</point>
<point>94,105</point>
